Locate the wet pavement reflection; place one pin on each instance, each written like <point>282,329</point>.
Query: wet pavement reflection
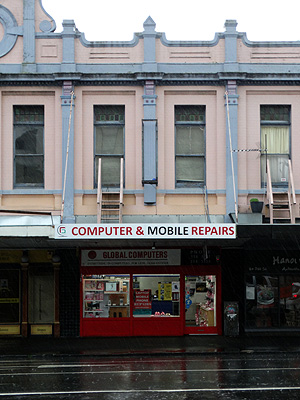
<point>215,376</point>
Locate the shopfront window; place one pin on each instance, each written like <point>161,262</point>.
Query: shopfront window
<point>273,302</point>
<point>105,296</point>
<point>9,296</point>
<point>262,308</point>
<point>157,295</point>
<point>290,301</point>
<point>200,300</point>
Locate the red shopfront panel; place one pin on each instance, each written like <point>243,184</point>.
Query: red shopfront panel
<point>158,326</point>
<point>125,318</point>
<point>109,327</point>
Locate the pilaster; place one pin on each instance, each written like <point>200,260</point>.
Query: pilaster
<point>231,107</point>
<point>68,35</point>
<point>231,36</point>
<point>149,144</point>
<point>29,65</point>
<point>149,35</point>
<point>56,266</point>
<point>24,266</point>
<point>68,105</point>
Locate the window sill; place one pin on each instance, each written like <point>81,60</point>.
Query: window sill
<point>29,191</point>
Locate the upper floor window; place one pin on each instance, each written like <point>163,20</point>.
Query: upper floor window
<point>275,142</point>
<point>189,146</point>
<point>28,146</point>
<point>109,122</point>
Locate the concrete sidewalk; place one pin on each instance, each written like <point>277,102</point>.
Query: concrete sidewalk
<point>125,346</point>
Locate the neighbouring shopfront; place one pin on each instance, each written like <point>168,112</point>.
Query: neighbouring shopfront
<point>272,292</point>
<point>138,292</point>
<point>29,296</point>
<point>10,299</point>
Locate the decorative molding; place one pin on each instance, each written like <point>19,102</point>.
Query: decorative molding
<point>47,26</point>
<point>190,43</point>
<point>131,43</point>
<point>249,43</point>
<point>11,31</point>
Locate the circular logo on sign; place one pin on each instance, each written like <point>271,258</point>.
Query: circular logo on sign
<point>92,255</point>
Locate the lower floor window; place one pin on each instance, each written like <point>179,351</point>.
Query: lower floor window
<point>105,296</point>
<point>108,296</point>
<point>156,295</point>
<point>9,296</point>
<point>272,301</point>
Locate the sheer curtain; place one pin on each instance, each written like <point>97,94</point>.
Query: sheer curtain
<point>190,149</point>
<point>275,139</point>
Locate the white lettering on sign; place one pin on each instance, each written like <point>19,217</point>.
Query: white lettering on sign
<point>145,231</point>
<point>281,260</point>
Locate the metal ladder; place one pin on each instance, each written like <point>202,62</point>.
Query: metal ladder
<point>109,203</point>
<point>282,203</point>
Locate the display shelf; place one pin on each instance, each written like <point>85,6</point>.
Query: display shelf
<point>92,301</point>
<point>112,292</point>
<point>107,290</point>
<point>113,305</point>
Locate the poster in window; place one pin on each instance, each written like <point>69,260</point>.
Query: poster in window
<point>111,286</point>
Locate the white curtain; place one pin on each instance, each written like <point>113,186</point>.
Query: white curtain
<point>275,139</point>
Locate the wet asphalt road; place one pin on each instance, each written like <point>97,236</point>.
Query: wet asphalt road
<point>216,376</point>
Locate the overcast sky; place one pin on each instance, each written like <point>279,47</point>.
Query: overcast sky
<point>180,20</point>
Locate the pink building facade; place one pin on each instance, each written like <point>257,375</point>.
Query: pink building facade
<point>187,133</point>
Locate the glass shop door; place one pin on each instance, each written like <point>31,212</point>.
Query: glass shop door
<point>202,304</point>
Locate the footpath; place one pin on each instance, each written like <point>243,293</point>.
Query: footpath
<point>138,346</point>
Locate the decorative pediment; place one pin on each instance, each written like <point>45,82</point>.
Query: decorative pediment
<point>11,31</point>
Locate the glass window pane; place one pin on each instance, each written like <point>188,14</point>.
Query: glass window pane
<point>109,140</point>
<point>262,306</point>
<point>275,113</point>
<point>190,113</point>
<point>28,140</point>
<point>109,113</point>
<point>190,140</point>
<point>9,296</point>
<point>29,170</point>
<point>110,171</point>
<point>279,168</point>
<point>106,296</point>
<point>29,145</point>
<point>29,114</point>
<point>156,295</point>
<point>200,299</point>
<point>189,169</point>
<point>290,301</point>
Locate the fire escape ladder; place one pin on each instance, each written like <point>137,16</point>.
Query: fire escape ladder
<point>109,202</point>
<point>281,203</point>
